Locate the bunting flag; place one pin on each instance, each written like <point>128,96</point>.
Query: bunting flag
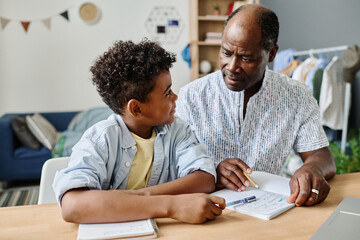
<point>4,22</point>
<point>47,23</point>
<point>26,24</point>
<point>65,15</point>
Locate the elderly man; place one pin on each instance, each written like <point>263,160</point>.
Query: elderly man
<point>250,117</point>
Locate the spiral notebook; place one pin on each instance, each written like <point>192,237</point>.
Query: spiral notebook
<point>270,196</point>
<point>142,229</point>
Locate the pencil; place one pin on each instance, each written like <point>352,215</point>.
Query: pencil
<point>249,178</point>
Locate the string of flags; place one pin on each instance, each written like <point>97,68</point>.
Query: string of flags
<point>25,23</point>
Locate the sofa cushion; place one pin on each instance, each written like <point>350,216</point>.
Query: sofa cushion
<point>24,152</point>
<point>23,133</point>
<point>42,129</point>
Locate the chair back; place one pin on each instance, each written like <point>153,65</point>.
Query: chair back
<point>46,192</point>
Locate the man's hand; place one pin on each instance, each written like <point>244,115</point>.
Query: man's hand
<point>196,207</point>
<point>230,174</point>
<point>303,181</point>
<point>309,184</point>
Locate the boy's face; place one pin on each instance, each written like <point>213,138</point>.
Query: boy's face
<point>160,108</point>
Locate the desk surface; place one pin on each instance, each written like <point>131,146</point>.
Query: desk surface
<point>45,221</point>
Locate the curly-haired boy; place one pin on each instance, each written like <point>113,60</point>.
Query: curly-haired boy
<point>149,160</point>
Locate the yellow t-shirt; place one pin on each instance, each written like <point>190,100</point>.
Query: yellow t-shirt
<point>140,170</point>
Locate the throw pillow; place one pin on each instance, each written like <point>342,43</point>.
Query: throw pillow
<point>42,129</point>
<point>23,133</point>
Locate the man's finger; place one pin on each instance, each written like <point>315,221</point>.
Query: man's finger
<point>294,190</point>
<point>314,193</point>
<point>304,192</point>
<point>228,184</point>
<point>241,164</point>
<point>236,176</point>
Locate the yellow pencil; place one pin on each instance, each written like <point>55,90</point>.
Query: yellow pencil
<point>249,178</point>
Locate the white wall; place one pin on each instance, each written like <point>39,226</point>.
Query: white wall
<point>44,70</point>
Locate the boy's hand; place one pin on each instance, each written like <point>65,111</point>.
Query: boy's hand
<point>196,207</point>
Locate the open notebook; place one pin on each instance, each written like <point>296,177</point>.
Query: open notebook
<point>142,229</point>
<point>270,196</point>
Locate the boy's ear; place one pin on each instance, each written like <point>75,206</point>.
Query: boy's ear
<point>133,107</point>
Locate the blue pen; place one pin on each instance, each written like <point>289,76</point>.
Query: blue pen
<point>242,201</point>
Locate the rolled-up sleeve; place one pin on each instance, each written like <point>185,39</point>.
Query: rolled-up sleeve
<point>190,154</point>
<point>87,167</point>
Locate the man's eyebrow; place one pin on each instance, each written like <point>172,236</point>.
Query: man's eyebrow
<point>222,46</point>
<point>167,88</point>
<point>243,55</point>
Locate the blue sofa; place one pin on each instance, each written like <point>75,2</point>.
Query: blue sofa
<point>18,162</point>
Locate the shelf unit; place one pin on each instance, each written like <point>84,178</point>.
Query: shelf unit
<point>203,20</point>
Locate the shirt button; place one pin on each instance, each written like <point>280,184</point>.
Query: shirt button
<point>133,147</point>
<point>127,164</point>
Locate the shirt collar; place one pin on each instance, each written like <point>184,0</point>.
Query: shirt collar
<point>126,139</point>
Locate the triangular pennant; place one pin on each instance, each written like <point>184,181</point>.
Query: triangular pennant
<point>65,15</point>
<point>25,25</point>
<point>47,23</point>
<point>4,22</point>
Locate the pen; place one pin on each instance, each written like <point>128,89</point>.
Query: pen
<point>249,178</point>
<point>242,201</point>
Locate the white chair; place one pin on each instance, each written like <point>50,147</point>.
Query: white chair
<point>46,192</point>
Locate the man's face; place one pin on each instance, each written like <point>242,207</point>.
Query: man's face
<point>242,58</point>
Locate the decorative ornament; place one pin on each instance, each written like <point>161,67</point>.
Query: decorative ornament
<point>205,66</point>
<point>89,13</point>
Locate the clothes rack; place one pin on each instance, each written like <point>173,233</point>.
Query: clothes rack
<point>311,53</point>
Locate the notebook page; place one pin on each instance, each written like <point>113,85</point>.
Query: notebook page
<point>270,182</point>
<point>270,197</point>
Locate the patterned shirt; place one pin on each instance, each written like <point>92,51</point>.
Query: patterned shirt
<point>283,115</point>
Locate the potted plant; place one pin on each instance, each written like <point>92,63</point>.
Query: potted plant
<point>347,163</point>
<point>217,10</point>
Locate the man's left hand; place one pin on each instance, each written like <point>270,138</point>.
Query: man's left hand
<point>308,186</point>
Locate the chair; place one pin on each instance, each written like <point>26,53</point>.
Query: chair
<point>46,192</point>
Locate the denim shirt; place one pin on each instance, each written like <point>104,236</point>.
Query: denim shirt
<point>103,157</point>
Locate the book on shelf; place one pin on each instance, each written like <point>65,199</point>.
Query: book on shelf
<point>213,37</point>
<point>217,41</point>
<point>141,229</point>
<point>270,196</point>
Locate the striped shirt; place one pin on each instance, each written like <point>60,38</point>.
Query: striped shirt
<point>283,115</point>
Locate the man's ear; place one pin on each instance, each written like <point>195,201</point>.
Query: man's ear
<point>273,52</point>
<point>133,107</point>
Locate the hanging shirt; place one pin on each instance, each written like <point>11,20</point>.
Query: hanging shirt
<point>283,115</point>
<point>317,81</point>
<point>283,58</point>
<point>143,160</point>
<point>303,69</point>
<point>291,67</point>
<point>320,64</point>
<point>332,95</point>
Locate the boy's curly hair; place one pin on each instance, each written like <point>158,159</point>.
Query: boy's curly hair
<point>128,71</point>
